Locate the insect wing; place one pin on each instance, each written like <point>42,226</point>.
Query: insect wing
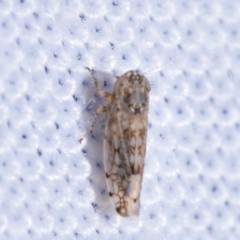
<point>124,153</point>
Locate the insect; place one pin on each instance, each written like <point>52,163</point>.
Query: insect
<point>125,139</point>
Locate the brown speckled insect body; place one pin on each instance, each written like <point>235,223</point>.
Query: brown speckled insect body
<point>125,140</point>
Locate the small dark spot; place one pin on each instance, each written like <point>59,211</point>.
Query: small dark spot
<point>161,74</point>
<point>95,206</point>
<point>57,125</point>
<point>27,26</point>
<point>152,215</point>
<point>48,206</point>
<point>80,192</point>
<point>27,97</point>
<point>123,57</point>
<point>219,214</point>
<point>54,233</point>
<point>24,136</point>
<point>224,111</point>
<point>188,162</point>
<point>110,194</point>
<point>18,41</point>
<point>84,83</point>
<point>75,98</point>
<point>29,231</point>
<point>214,188</point>
<point>196,216</point>
<point>118,209</point>
<point>40,41</point>
<point>202,112</point>
<point>229,137</point>
<point>220,21</point>
<point>165,32</point>
<point>61,219</point>
<point>166,100</point>
<point>69,71</point>
<point>219,151</point>
<point>201,178</point>
<point>39,152</point>
<point>67,179</point>
<point>197,151</point>
<point>35,15</point>
<point>179,111</point>
<point>60,82</point>
<point>12,82</point>
<point>210,228</point>
<point>82,17</point>
<point>135,199</point>
<point>234,32</point>
<point>189,32</point>
<point>112,45</point>
<point>21,1</point>
<point>90,180</point>
<point>51,163</point>
<point>115,3</point>
<point>211,99</point>
<point>105,84</point>
<point>79,56</point>
<point>197,85</point>
<point>179,47</point>
<point>55,55</point>
<point>75,165</point>
<point>84,151</point>
<point>13,190</point>
<point>21,179</point>
<point>49,28</point>
<point>98,30</point>
<point>46,69</point>
<point>97,231</point>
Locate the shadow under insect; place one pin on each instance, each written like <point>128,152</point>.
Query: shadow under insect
<point>94,137</point>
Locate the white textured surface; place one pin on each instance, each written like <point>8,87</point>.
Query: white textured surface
<point>53,188</point>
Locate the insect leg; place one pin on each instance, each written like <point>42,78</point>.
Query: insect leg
<point>101,93</point>
<point>100,110</point>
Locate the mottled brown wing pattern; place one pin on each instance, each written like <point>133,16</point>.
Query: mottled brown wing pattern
<point>125,139</point>
<point>125,142</point>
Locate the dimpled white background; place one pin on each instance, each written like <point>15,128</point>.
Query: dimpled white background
<point>51,187</point>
